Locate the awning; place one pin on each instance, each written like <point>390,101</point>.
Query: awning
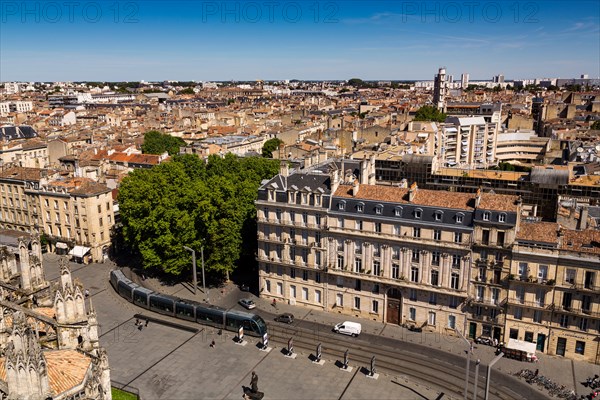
<point>61,245</point>
<point>79,251</point>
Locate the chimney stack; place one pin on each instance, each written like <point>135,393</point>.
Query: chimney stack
<point>355,187</point>
<point>478,198</point>
<point>284,169</point>
<point>583,219</point>
<point>412,192</point>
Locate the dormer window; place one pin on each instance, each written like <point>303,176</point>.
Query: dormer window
<point>438,215</point>
<point>379,209</point>
<point>502,217</point>
<point>486,215</point>
<point>342,205</point>
<point>459,218</point>
<point>418,213</point>
<point>398,211</point>
<point>360,207</point>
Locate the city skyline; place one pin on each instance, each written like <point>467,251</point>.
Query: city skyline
<point>202,41</point>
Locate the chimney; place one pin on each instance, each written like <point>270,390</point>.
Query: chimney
<point>477,197</point>
<point>364,171</point>
<point>284,169</point>
<point>372,170</point>
<point>355,187</point>
<point>403,183</point>
<point>583,219</point>
<point>412,192</point>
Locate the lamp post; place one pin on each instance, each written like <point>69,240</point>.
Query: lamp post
<point>469,351</point>
<point>195,278</point>
<point>489,371</point>
<point>476,376</point>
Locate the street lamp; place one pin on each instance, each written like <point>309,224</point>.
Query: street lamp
<point>489,371</point>
<point>194,270</point>
<point>476,376</point>
<point>469,351</point>
<point>195,279</point>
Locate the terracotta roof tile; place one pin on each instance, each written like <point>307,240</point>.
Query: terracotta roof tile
<point>546,232</point>
<point>498,202</point>
<point>66,369</point>
<point>587,241</point>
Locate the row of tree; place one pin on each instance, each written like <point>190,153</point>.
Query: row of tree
<point>190,202</point>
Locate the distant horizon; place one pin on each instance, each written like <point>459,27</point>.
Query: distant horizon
<point>309,40</point>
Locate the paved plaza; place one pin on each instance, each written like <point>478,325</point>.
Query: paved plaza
<point>168,363</point>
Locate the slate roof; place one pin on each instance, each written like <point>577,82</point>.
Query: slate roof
<point>8,133</point>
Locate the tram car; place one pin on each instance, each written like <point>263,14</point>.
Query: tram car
<point>189,310</point>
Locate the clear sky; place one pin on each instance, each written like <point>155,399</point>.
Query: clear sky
<point>278,39</point>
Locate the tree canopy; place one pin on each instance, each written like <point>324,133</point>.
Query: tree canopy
<point>156,142</point>
<point>596,125</point>
<point>187,202</point>
<point>429,113</point>
<point>270,146</point>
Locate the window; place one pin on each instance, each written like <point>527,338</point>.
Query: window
<point>485,236</point>
<point>375,288</point>
<point>564,321</point>
<point>379,210</point>
<point>570,276</point>
<point>580,347</point>
<point>416,232</point>
<point>376,268</point>
<point>418,213</point>
<point>537,316</point>
<point>454,281</point>
<point>359,225</point>
<point>518,313</point>
<point>358,247</point>
<point>500,239</point>
<point>432,298</point>
<point>540,297</point>
<point>480,293</point>
<point>292,273</point>
<point>360,207</point>
<point>318,220</point>
<point>357,265</point>
<point>378,227</point>
<point>339,300</point>
<point>456,261</point>
<point>268,285</point>
<point>395,271</point>
<point>437,234</point>
<point>502,217</point>
<point>304,218</point>
<point>459,218</point>
<point>514,333</point>
<point>100,222</point>
<point>414,274</point>
<point>542,273</point>
<point>340,223</point>
<point>435,258</point>
<point>357,303</point>
<point>438,215</point>
<point>486,215</point>
<point>583,324</point>
<point>304,275</point>
<point>431,318</point>
<point>318,277</point>
<point>451,321</point>
<point>523,269</point>
<point>415,256</point>
<point>586,303</point>
<point>435,277</point>
<point>454,302</point>
<point>357,285</point>
<point>305,294</point>
<point>293,216</point>
<point>412,314</point>
<point>340,262</point>
<point>99,208</point>
<point>375,307</point>
<point>398,211</point>
<point>520,294</point>
<point>457,237</point>
<point>413,294</point>
<point>339,281</point>
<point>342,205</point>
<point>396,230</point>
<point>318,296</point>
<point>293,291</point>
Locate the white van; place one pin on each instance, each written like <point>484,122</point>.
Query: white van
<point>348,328</point>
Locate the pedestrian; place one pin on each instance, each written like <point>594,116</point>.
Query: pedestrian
<point>275,303</point>
<point>87,293</point>
<point>147,320</point>
<point>212,344</point>
<point>137,322</point>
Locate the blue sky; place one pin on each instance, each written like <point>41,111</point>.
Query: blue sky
<point>279,39</point>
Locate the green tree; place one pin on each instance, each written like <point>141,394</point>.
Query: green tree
<point>157,143</point>
<point>270,146</point>
<point>429,113</point>
<point>596,125</point>
<point>189,202</point>
<point>188,90</point>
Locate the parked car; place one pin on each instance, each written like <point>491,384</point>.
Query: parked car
<point>286,318</point>
<point>244,287</point>
<point>488,341</point>
<point>247,303</point>
<point>348,328</point>
<point>414,328</point>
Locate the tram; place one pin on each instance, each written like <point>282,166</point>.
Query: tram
<point>189,310</point>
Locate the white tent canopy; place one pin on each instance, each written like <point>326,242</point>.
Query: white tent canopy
<point>79,251</point>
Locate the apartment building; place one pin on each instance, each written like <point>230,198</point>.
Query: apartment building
<point>554,290</point>
<point>75,214</point>
<point>394,254</point>
<point>468,142</point>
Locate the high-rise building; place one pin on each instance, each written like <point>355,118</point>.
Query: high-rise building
<point>440,88</point>
<point>464,80</point>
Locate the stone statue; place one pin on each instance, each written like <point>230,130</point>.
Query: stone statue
<point>254,383</point>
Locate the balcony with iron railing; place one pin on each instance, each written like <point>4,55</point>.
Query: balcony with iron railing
<point>528,303</point>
